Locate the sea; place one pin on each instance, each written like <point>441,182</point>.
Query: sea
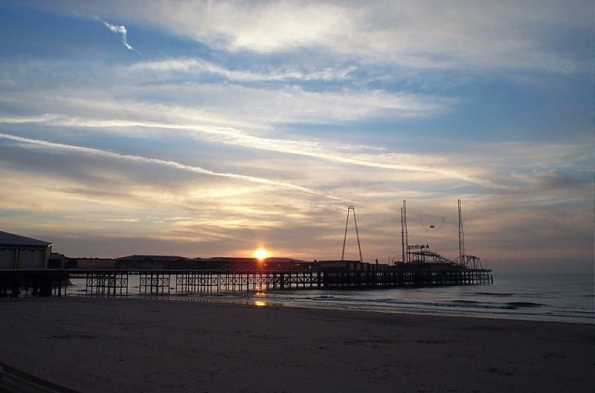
<point>562,298</point>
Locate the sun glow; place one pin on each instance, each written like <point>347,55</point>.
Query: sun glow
<point>261,254</point>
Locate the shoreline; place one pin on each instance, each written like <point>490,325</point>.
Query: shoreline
<point>92,344</point>
<point>568,300</point>
<point>391,311</point>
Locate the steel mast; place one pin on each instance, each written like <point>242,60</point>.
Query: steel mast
<point>404,234</point>
<point>361,259</point>
<point>461,237</point>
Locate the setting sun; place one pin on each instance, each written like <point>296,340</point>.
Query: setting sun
<point>261,254</point>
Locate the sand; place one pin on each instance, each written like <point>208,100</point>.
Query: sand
<point>142,345</point>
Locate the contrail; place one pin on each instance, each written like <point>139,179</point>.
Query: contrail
<point>120,30</point>
<point>168,163</point>
<point>228,136</point>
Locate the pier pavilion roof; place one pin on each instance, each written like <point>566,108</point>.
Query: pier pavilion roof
<point>12,240</point>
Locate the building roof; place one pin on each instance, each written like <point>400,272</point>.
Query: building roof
<point>137,257</point>
<point>10,239</point>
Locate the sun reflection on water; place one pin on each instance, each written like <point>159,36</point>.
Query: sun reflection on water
<point>261,299</point>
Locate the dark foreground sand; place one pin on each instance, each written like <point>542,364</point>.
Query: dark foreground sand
<point>139,345</point>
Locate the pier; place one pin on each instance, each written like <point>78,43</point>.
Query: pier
<point>36,282</point>
<point>175,275</point>
<point>352,276</point>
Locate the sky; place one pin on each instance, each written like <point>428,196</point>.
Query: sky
<point>213,128</point>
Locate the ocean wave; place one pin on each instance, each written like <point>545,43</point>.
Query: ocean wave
<point>515,305</point>
<point>496,294</point>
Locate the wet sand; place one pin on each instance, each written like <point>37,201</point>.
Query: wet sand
<point>141,345</point>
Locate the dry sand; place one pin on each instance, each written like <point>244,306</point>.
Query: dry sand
<point>141,345</point>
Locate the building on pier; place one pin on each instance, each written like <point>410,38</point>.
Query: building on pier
<point>20,252</point>
<point>166,262</point>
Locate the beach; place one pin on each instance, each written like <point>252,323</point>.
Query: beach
<point>147,345</point>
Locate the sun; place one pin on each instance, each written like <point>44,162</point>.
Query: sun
<point>261,254</point>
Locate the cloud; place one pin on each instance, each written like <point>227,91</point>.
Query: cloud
<point>167,163</point>
<point>122,31</point>
<point>423,35</point>
<point>262,104</point>
<point>280,114</point>
<point>499,171</point>
<point>196,66</point>
<point>327,151</point>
